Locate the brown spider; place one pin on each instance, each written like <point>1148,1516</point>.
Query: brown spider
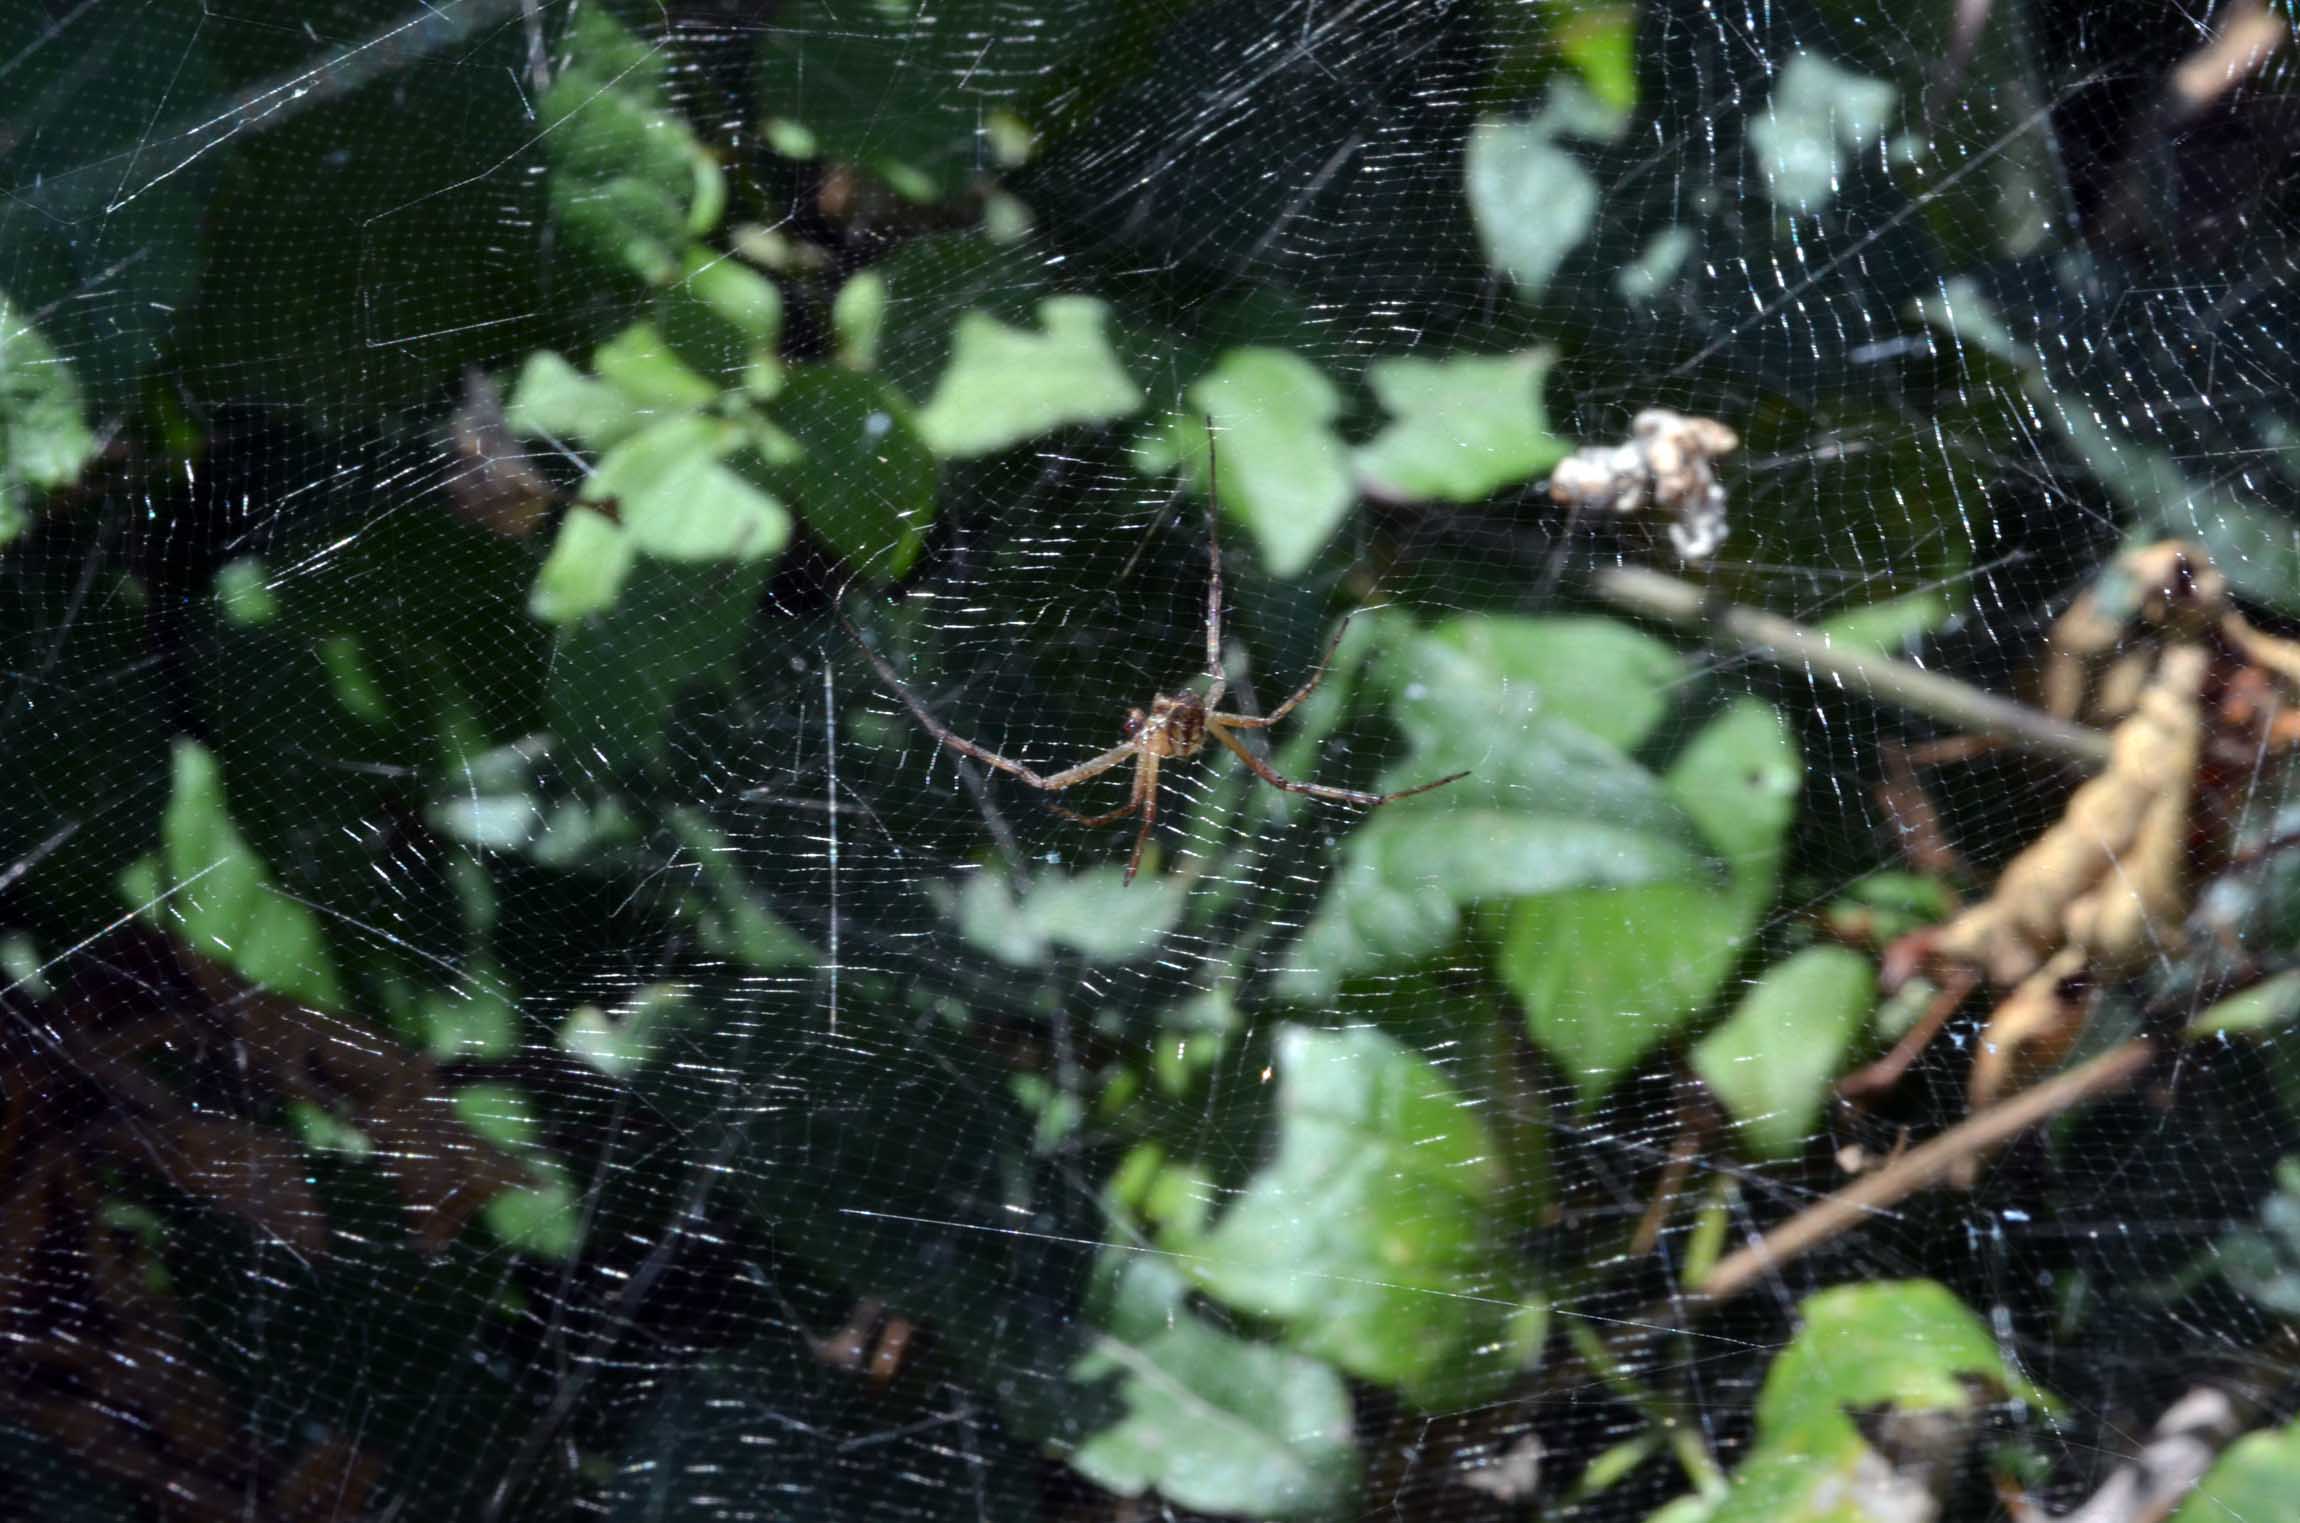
<point>1175,727</point>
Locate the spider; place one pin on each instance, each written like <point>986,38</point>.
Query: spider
<point>1174,728</point>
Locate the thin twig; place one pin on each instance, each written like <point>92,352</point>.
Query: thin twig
<point>1923,1165</point>
<point>1789,644</point>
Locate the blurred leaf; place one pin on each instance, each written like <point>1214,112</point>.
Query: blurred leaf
<point>1532,199</point>
<point>858,317</point>
<point>244,595</point>
<point>1212,1422</point>
<point>629,181</point>
<point>865,482</point>
<point>1284,473</point>
<point>1600,42</point>
<point>1462,428</point>
<point>43,439</point>
<point>1605,975</point>
<point>1094,912</point>
<point>1369,1235</point>
<point>720,317</point>
<point>2267,1005</point>
<point>1004,384</point>
<point>620,1042</point>
<point>1820,118</point>
<point>615,676</point>
<point>2265,1263</point>
<point>1891,625</point>
<point>590,558</point>
<point>1906,1346</point>
<point>2252,545</point>
<point>211,889</point>
<point>1772,1061</point>
<point>1549,804</point>
<point>2256,1477</point>
<point>732,921</point>
<point>641,364</point>
<point>551,399</point>
<point>676,500</point>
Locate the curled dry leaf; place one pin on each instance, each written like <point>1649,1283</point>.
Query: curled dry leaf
<point>2157,648</point>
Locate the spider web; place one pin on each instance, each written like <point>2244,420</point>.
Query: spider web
<point>492,1038</point>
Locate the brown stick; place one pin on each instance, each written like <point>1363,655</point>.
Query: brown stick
<point>1789,644</point>
<point>1923,1165</point>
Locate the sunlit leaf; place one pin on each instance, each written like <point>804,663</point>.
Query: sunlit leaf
<point>1771,1063</point>
<point>677,501</point>
<point>1211,1422</point>
<point>1461,428</point>
<point>1368,1236</point>
<point>1005,384</point>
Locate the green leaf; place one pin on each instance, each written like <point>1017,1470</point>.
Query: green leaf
<point>620,1042</point>
<point>630,182</point>
<point>858,317</point>
<point>44,441</point>
<point>1462,428</point>
<point>1551,802</point>
<point>677,501</point>
<point>1600,42</point>
<point>722,319</point>
<point>640,364</point>
<point>865,482</point>
<point>732,921</point>
<point>2264,1007</point>
<point>1909,1345</point>
<point>616,676</point>
<point>1772,1061</point>
<point>905,90</point>
<point>1370,1235</point>
<point>1095,913</point>
<point>1820,119</point>
<point>1605,975</point>
<point>244,594</point>
<point>584,574</point>
<point>1892,624</point>
<point>1005,384</point>
<point>1532,200</point>
<point>1285,474</point>
<point>210,888</point>
<point>1212,1422</point>
<point>2255,1478</point>
<point>551,399</point>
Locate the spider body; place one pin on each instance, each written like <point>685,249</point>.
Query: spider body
<point>1175,727</point>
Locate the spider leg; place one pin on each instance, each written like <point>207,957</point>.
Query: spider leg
<point>1317,675</point>
<point>1068,778</point>
<point>1221,731</point>
<point>1094,821</point>
<point>1214,570</point>
<point>1145,784</point>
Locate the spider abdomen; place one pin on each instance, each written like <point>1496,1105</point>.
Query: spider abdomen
<point>1174,727</point>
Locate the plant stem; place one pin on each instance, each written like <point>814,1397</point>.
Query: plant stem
<point>1789,644</point>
